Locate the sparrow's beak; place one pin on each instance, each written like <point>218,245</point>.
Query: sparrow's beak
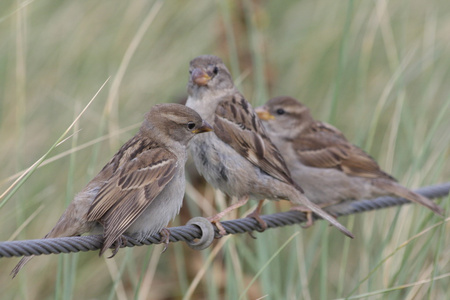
<point>263,113</point>
<point>199,77</point>
<point>204,128</point>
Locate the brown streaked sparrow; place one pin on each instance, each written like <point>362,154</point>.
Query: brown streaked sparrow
<point>141,188</point>
<point>330,168</point>
<point>238,157</point>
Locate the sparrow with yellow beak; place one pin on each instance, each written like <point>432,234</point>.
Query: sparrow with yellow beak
<point>238,157</point>
<point>330,169</point>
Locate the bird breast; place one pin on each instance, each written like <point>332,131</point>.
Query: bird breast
<point>162,209</point>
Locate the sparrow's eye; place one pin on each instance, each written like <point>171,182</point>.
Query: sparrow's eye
<point>190,125</point>
<point>216,70</point>
<point>190,72</point>
<point>280,111</point>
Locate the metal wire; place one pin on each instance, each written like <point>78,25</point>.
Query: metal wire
<point>191,233</point>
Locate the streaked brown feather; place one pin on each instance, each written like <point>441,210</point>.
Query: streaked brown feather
<point>323,146</point>
<point>132,179</point>
<point>238,125</point>
<point>130,190</point>
<point>320,145</point>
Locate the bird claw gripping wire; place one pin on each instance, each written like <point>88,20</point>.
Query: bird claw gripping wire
<point>186,233</point>
<point>207,230</point>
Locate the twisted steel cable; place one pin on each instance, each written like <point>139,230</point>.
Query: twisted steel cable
<point>199,233</point>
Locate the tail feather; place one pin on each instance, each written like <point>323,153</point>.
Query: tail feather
<point>26,259</point>
<point>302,200</point>
<point>403,192</point>
<point>20,265</point>
<point>66,226</point>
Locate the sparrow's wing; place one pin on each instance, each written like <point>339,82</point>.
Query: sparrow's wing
<point>323,146</point>
<point>237,124</point>
<point>130,190</point>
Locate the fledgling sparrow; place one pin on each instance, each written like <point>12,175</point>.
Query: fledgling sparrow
<point>238,157</point>
<point>141,188</point>
<point>330,168</point>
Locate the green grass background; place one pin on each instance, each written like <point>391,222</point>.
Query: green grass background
<point>378,70</point>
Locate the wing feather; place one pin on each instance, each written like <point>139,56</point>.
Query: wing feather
<point>130,190</point>
<point>324,146</point>
<point>237,124</point>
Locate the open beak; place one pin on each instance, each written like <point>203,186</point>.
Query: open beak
<point>263,113</point>
<point>204,128</point>
<point>199,77</point>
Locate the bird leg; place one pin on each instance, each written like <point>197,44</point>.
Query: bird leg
<point>309,213</point>
<point>120,242</point>
<point>216,219</point>
<point>256,215</point>
<point>165,238</point>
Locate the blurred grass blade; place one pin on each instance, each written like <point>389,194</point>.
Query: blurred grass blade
<point>205,266</point>
<point>343,53</point>
<point>18,183</point>
<point>400,287</point>
<point>395,251</point>
<point>111,107</point>
<point>267,264</point>
<point>25,223</point>
<point>385,96</point>
<point>75,149</point>
<point>21,6</point>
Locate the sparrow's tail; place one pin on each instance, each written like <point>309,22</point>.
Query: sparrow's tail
<point>26,259</point>
<point>66,226</point>
<point>398,190</point>
<point>20,265</point>
<point>302,200</point>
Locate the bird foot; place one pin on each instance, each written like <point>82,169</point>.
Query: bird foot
<point>262,224</point>
<point>120,242</point>
<point>215,221</point>
<point>309,215</point>
<point>165,238</point>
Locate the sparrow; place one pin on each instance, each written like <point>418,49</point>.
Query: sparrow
<point>330,168</point>
<point>141,188</point>
<point>238,157</point>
